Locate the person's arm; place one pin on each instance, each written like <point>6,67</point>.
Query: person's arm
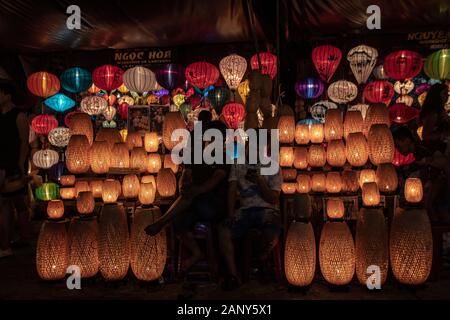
<point>269,195</point>
<point>211,183</point>
<point>23,128</point>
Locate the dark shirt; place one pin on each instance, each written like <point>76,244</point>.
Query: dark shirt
<point>9,142</point>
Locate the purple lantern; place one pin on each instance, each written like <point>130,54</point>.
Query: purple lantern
<point>161,92</point>
<point>170,76</point>
<point>309,88</point>
<point>421,88</point>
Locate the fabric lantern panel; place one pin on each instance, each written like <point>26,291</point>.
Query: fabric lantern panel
<point>76,80</point>
<point>139,79</point>
<point>326,59</point>
<point>78,154</point>
<point>437,65</point>
<point>170,76</point>
<point>108,77</point>
<point>234,114</point>
<point>362,60</point>
<point>43,84</point>
<point>401,113</point>
<point>59,137</point>
<point>43,124</point>
<point>319,109</point>
<point>403,64</point>
<point>233,68</point>
<point>59,102</point>
<point>380,91</point>
<point>201,74</point>
<point>309,88</point>
<point>45,159</point>
<point>268,63</point>
<point>342,91</point>
<point>93,105</point>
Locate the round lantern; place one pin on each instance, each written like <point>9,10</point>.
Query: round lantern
<point>93,105</point>
<point>147,253</point>
<point>172,122</point>
<point>77,154</point>
<point>100,157</point>
<point>166,183</point>
<point>379,91</point>
<point>387,180</point>
<point>96,187</point>
<point>76,80</point>
<point>300,254</point>
<point>44,159</point>
<point>376,114</point>
<point>85,203</point>
<point>326,59</point>
<point>333,128</point>
<point>342,91</point>
<point>80,123</point>
<point>108,77</point>
<point>350,182</point>
<point>55,209</point>
<point>319,109</point>
<point>401,113</point>
<point>52,251</point>
<point>268,63</point>
<point>381,144</point>
<point>154,163</point>
<point>120,156</point>
<point>59,137</point>
<point>43,124</point>
<point>413,190</point>
<point>111,191</point>
<point>356,149</point>
<point>147,192</point>
<point>309,88</point>
<point>138,159</point>
<point>151,142</point>
<point>234,113</point>
<point>170,76</point>
<point>437,65</point>
<point>82,186</point>
<point>83,243</point>
<point>411,246</point>
<point>337,253</point>
<point>68,180</point>
<point>47,191</point>
<point>335,208</point>
<point>403,64</point>
<point>370,194</point>
<point>371,244</point>
<point>289,187</point>
<point>67,193</point>
<point>362,60</point>
<point>130,186</point>
<point>286,156</point>
<point>353,122</point>
<point>201,74</point>
<point>139,79</point>
<point>317,156</point>
<point>233,68</point>
<point>301,158</point>
<point>168,163</point>
<point>43,84</point>
<point>334,182</point>
<point>302,134</point>
<point>286,127</point>
<point>289,174</point>
<point>361,107</point>
<point>318,182</point>
<point>367,175</point>
<point>59,102</point>
<point>303,183</point>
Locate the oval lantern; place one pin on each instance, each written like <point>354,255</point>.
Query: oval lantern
<point>233,68</point>
<point>83,243</point>
<point>326,59</point>
<point>81,124</point>
<point>401,113</point>
<point>233,114</point>
<point>108,77</point>
<point>387,179</point>
<point>76,80</point>
<point>55,209</point>
<point>336,153</point>
<point>403,64</point>
<point>93,105</point>
<point>59,137</point>
<point>377,113</point>
<point>286,129</point>
<point>170,76</point>
<point>45,159</point>
<point>139,79</point>
<point>356,149</point>
<point>43,124</point>
<point>43,84</point>
<point>309,88</point>
<point>342,91</point>
<point>77,154</point>
<point>362,60</point>
<point>166,183</point>
<point>202,74</point>
<point>268,63</point>
<point>218,96</point>
<point>100,157</point>
<point>353,122</point>
<point>437,65</point>
<point>380,91</point>
<point>47,191</point>
<point>59,102</point>
<point>381,144</point>
<point>173,121</point>
<point>333,128</point>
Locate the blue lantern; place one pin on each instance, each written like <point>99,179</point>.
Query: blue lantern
<point>56,171</point>
<point>218,96</point>
<point>308,121</point>
<point>59,102</point>
<point>76,80</point>
<point>309,88</point>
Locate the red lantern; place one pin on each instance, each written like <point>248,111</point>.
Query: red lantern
<point>111,99</point>
<point>268,63</point>
<point>201,74</point>
<point>123,110</point>
<point>401,113</point>
<point>43,84</point>
<point>401,160</point>
<point>44,123</point>
<point>379,91</point>
<point>165,99</point>
<point>108,77</point>
<point>233,114</point>
<point>326,60</point>
<point>403,64</point>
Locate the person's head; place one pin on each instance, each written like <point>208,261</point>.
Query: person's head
<point>7,91</point>
<point>404,140</point>
<point>205,116</point>
<point>435,100</point>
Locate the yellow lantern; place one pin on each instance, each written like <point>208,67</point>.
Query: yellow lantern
<point>55,209</point>
<point>138,159</point>
<point>333,128</point>
<point>317,156</point>
<point>153,163</point>
<point>83,242</point>
<point>244,90</point>
<point>147,192</point>
<point>151,142</point>
<point>168,163</point>
<point>334,182</point>
<point>123,134</point>
<point>356,149</point>
<point>67,193</point>
<point>335,208</point>
<point>81,186</point>
<point>370,194</point>
<point>303,183</point>
<point>286,156</point>
<point>100,157</point>
<point>336,153</point>
<point>96,188</point>
<point>353,122</point>
<point>381,144</point>
<point>85,203</point>
<point>301,158</point>
<point>350,182</point>
<point>367,175</point>
<point>420,132</point>
<point>302,134</point>
<point>67,181</point>
<point>77,154</point>
<point>111,190</point>
<point>316,133</point>
<point>289,187</point>
<point>387,180</point>
<point>130,186</point>
<point>166,183</point>
<point>318,182</point>
<point>413,190</point>
<point>123,89</point>
<point>120,156</point>
<point>286,127</point>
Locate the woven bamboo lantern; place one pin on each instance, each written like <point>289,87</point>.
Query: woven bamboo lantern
<point>300,254</point>
<point>110,135</point>
<point>301,158</point>
<point>111,191</point>
<point>413,190</point>
<point>317,156</point>
<point>371,244</point>
<point>149,179</point>
<point>318,182</point>
<point>286,156</point>
<point>302,134</point>
<point>81,186</point>
<point>316,133</point>
<point>411,246</point>
<point>151,142</point>
<point>120,156</point>
<point>370,194</point>
<point>166,183</point>
<point>67,193</point>
<point>67,181</point>
<point>336,153</point>
<point>367,175</point>
<point>130,186</point>
<point>83,243</point>
<point>153,163</point>
<point>387,180</point>
<point>147,192</point>
<point>303,183</point>
<point>55,209</point>
<point>286,127</point>
<point>81,124</point>
<point>289,187</point>
<point>85,203</point>
<point>381,144</point>
<point>356,149</point>
<point>337,253</point>
<point>147,253</point>
<point>169,164</point>
<point>114,243</point>
<point>52,252</point>
<point>335,208</point>
<point>77,154</point>
<point>138,159</point>
<point>376,114</point>
<point>350,182</point>
<point>334,182</point>
<point>100,157</point>
<point>333,128</point>
<point>134,140</point>
<point>289,174</point>
<point>353,122</point>
<point>172,121</point>
<point>96,188</point>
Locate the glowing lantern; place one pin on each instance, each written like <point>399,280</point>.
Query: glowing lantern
<point>286,156</point>
<point>334,182</point>
<point>59,102</point>
<point>316,133</point>
<point>303,183</point>
<point>109,135</point>
<point>55,209</point>
<point>286,127</point>
<point>233,68</point>
<point>381,144</point>
<point>93,105</point>
<point>326,60</point>
<point>379,91</point>
<point>201,74</point>
<point>333,128</point>
<point>370,194</point>
<point>170,76</point>
<point>302,134</point>
<point>149,179</point>
<point>403,87</point>
<point>108,77</point>
<point>407,100</point>
<point>234,113</point>
<point>268,63</point>
<point>319,109</point>
<point>111,190</point>
<point>67,193</point>
<point>76,80</point>
<point>419,133</point>
<point>413,190</point>
<point>47,191</point>
<point>437,65</point>
<point>77,154</point>
<point>138,159</point>
<point>45,159</point>
<point>350,181</point>
<point>353,122</point>
<point>82,186</point>
<point>134,140</point>
<point>244,90</point>
<point>127,100</point>
<point>362,61</point>
<point>367,175</point>
<point>318,182</point>
<point>335,209</point>
<point>376,114</point>
<point>356,149</point>
<point>300,158</point>
<point>401,113</point>
<point>169,164</point>
<point>85,203</point>
<point>123,89</point>
<point>342,91</point>
<point>139,79</point>
<point>96,187</point>
<point>289,174</point>
<point>130,186</point>
<point>317,156</point>
<point>154,163</point>
<point>151,142</point>
<point>172,122</point>
<point>403,64</point>
<point>43,84</point>
<point>81,124</point>
<point>387,180</point>
<point>309,88</point>
<point>43,124</point>
<point>83,245</point>
<point>166,183</point>
<point>120,156</point>
<point>109,113</point>
<point>289,187</point>
<point>100,157</point>
<point>178,100</point>
<point>379,73</point>
<point>67,180</point>
<point>147,192</point>
<point>59,137</point>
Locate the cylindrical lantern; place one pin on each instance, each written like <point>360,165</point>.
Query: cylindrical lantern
<point>147,192</point>
<point>333,128</point>
<point>96,188</point>
<point>166,183</point>
<point>411,246</point>
<point>387,180</point>
<point>372,245</point>
<point>367,175</point>
<point>85,203</point>
<point>350,182</point>
<point>289,174</point>
<point>67,193</point>
<point>381,144</point>
<point>172,122</point>
<point>300,254</point>
<point>151,142</point>
<point>370,194</point>
<point>334,182</point>
<point>67,181</point>
<point>83,243</point>
<point>353,122</point>
<point>289,187</point>
<point>52,252</point>
<point>337,253</point>
<point>154,163</point>
<point>168,163</point>
<point>55,209</point>
<point>147,253</point>
<point>317,156</point>
<point>130,186</point>
<point>43,124</point>
<point>111,190</point>
<point>356,149</point>
<point>376,114</point>
<point>413,190</point>
<point>120,156</point>
<point>286,127</point>
<point>81,186</point>
<point>81,124</point>
<point>78,155</point>
<point>316,133</point>
<point>134,140</point>
<point>100,157</point>
<point>335,208</point>
<point>302,134</point>
<point>138,159</point>
<point>318,182</point>
<point>336,153</point>
<point>44,159</point>
<point>300,158</point>
<point>303,183</point>
<point>286,156</point>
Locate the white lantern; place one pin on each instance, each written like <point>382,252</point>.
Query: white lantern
<point>233,68</point>
<point>109,113</point>
<point>59,137</point>
<point>93,105</point>
<point>342,91</point>
<point>362,60</point>
<point>139,79</point>
<point>44,159</point>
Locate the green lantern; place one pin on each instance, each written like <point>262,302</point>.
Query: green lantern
<point>437,65</point>
<point>48,191</point>
<point>185,108</point>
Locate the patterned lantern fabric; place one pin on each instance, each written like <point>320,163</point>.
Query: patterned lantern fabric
<point>403,87</point>
<point>202,74</point>
<point>401,113</point>
<point>218,96</point>
<point>43,84</point>
<point>76,80</point>
<point>268,63</point>
<point>170,76</point>
<point>83,242</point>
<point>342,91</point>
<point>379,73</point>
<point>233,113</point>
<point>93,105</point>
<point>403,64</point>
<point>139,79</point>
<point>437,65</point>
<point>319,109</point>
<point>108,77</point>
<point>362,61</point>
<point>44,159</point>
<point>47,191</point>
<point>380,91</point>
<point>309,88</point>
<point>109,113</point>
<point>43,124</point>
<point>233,68</point>
<point>326,60</point>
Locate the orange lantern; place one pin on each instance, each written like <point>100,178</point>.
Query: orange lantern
<point>120,156</point>
<point>353,122</point>
<point>166,183</point>
<point>55,209</point>
<point>83,242</point>
<point>335,209</point>
<point>67,180</point>
<point>302,134</point>
<point>301,158</point>
<point>286,127</point>
<point>81,186</point>
<point>81,124</point>
<point>317,156</point>
<point>286,156</point>
<point>333,128</point>
<point>67,193</point>
<point>318,182</point>
<point>334,182</point>
<point>100,157</point>
<point>134,140</point>
<point>96,188</point>
<point>387,180</point>
<point>147,192</point>
<point>413,190</point>
<point>172,122</point>
<point>149,179</point>
<point>367,175</point>
<point>289,187</point>
<point>370,194</point>
<point>153,163</point>
<point>316,133</point>
<point>130,186</point>
<point>151,142</point>
<point>168,163</point>
<point>303,183</point>
<point>77,154</point>
<point>138,159</point>
<point>289,174</point>
<point>43,84</point>
<point>110,135</point>
<point>350,182</point>
<point>376,114</point>
<point>381,144</point>
<point>111,191</point>
<point>356,149</point>
<point>336,153</point>
<point>85,203</point>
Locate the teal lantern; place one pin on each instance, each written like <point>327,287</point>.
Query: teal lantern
<point>437,65</point>
<point>76,80</point>
<point>185,109</point>
<point>48,191</point>
<point>218,96</point>
<point>60,102</point>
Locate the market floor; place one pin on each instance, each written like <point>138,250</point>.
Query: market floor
<point>19,280</point>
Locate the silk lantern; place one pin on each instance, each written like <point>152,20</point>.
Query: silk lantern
<point>300,158</point>
<point>370,194</point>
<point>218,96</point>
<point>43,84</point>
<point>67,193</point>
<point>379,73</point>
<point>387,180</point>
<point>77,154</point>
<point>83,246</point>
<point>326,59</point>
<point>55,209</point>
<point>85,203</point>
<point>139,79</point>
<point>334,182</point>
<point>44,159</point>
<point>356,149</point>
<point>413,190</point>
<point>82,186</point>
<point>151,142</point>
<point>234,113</point>
<point>317,156</point>
<point>367,175</point>
<point>335,208</point>
<point>333,128</point>
<point>130,186</point>
<point>96,187</point>
<point>353,122</point>
<point>437,65</point>
<point>401,160</point>
<point>81,124</point>
<point>309,88</point>
<point>147,192</point>
<point>76,80</point>
<point>403,64</point>
<point>108,77</point>
<point>166,183</point>
<point>362,60</point>
<point>111,190</point>
<point>302,134</point>
<point>67,180</point>
<point>316,133</point>
<point>168,163</point>
<point>120,156</point>
<point>303,183</point>
<point>381,144</point>
<point>342,91</point>
<point>93,105</point>
<point>47,191</point>
<point>201,74</point>
<point>350,182</point>
<point>401,113</point>
<point>318,182</point>
<point>376,114</point>
<point>100,157</point>
<point>172,122</point>
<point>138,159</point>
<point>59,102</point>
<point>379,91</point>
<point>268,63</point>
<point>170,76</point>
<point>43,124</point>
<point>288,187</point>
<point>233,68</point>
<point>59,137</point>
